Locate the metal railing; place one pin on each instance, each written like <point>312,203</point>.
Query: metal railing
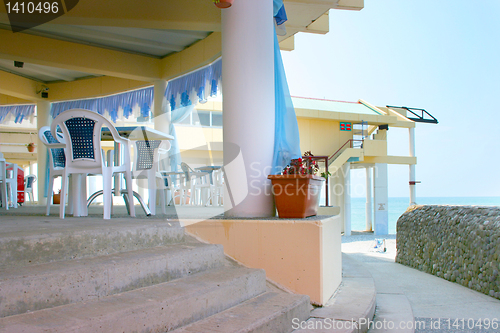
<point>423,117</point>
<point>349,144</point>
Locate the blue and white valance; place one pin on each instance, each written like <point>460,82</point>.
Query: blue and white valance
<point>116,106</point>
<point>195,87</point>
<point>16,113</point>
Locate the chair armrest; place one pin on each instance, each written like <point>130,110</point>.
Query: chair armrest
<point>162,151</point>
<point>55,145</point>
<point>122,140</point>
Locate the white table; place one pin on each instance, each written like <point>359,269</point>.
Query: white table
<point>132,133</point>
<point>209,169</point>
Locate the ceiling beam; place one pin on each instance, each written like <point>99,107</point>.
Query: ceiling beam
<point>52,74</point>
<point>107,36</point>
<point>195,56</point>
<point>17,86</point>
<point>78,57</point>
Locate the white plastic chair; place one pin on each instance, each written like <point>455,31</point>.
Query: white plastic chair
<point>82,132</point>
<point>57,163</point>
<point>29,181</point>
<point>8,185</point>
<point>146,158</point>
<point>217,188</point>
<point>198,184</point>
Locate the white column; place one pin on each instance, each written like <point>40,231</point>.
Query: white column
<point>248,104</point>
<point>369,204</point>
<point>337,194</point>
<point>159,109</point>
<point>42,119</point>
<point>161,123</point>
<point>413,192</point>
<point>346,172</point>
<point>381,198</point>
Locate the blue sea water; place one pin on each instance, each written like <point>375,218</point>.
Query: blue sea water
<point>397,206</point>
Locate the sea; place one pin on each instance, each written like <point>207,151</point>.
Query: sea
<point>398,205</point>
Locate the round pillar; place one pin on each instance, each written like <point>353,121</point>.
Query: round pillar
<point>248,107</point>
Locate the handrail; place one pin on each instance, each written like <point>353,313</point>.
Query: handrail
<point>350,142</point>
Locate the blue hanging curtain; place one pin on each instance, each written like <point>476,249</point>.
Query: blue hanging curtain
<point>111,104</point>
<point>177,116</point>
<point>17,112</point>
<point>286,133</point>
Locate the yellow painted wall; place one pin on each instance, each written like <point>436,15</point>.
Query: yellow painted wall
<point>92,87</point>
<point>6,100</point>
<point>321,136</point>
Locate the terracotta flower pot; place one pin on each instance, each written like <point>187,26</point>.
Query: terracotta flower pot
<point>296,196</point>
<point>223,3</point>
<point>56,198</point>
<point>31,147</point>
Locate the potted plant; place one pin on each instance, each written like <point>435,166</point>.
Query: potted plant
<point>296,190</point>
<point>223,3</point>
<point>31,147</point>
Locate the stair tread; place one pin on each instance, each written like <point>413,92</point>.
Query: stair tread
<point>51,284</point>
<point>114,259</point>
<point>167,305</point>
<point>254,314</point>
<point>69,241</point>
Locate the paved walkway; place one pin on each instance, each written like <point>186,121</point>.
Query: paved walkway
<point>404,294</point>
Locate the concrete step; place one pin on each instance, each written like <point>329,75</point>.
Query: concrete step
<point>269,312</point>
<point>157,308</point>
<point>61,240</point>
<point>47,285</point>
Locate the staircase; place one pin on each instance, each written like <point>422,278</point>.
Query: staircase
<point>351,150</point>
<point>133,277</point>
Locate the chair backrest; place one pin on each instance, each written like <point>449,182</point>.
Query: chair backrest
<point>146,154</point>
<point>218,177</point>
<point>82,132</point>
<point>57,155</point>
<point>187,171</point>
<point>29,180</point>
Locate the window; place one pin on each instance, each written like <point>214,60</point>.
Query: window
<point>216,119</point>
<point>203,118</point>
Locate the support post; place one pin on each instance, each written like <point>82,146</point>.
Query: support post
<point>369,204</point>
<point>413,190</point>
<point>381,198</point>
<point>42,119</point>
<point>249,111</point>
<point>346,172</point>
<point>337,194</point>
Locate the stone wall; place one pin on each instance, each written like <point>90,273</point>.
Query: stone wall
<point>458,243</point>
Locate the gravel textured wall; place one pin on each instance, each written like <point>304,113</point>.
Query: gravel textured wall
<point>458,243</point>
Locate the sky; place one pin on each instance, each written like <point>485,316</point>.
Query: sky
<point>442,56</point>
